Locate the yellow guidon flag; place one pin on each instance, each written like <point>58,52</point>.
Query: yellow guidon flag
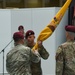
<point>49,29</point>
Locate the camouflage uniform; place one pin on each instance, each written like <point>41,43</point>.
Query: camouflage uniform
<point>36,67</point>
<point>18,60</point>
<point>65,59</point>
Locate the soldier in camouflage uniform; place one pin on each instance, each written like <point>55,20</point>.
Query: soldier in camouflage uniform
<point>19,58</point>
<point>21,29</point>
<point>36,67</point>
<point>65,54</point>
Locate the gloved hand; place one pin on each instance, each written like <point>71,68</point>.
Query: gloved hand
<point>36,51</point>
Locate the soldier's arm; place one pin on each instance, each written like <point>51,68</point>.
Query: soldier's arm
<point>59,61</point>
<point>43,52</point>
<point>35,56</point>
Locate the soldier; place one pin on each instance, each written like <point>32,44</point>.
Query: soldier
<point>21,29</point>
<point>36,67</point>
<point>65,54</point>
<point>19,58</point>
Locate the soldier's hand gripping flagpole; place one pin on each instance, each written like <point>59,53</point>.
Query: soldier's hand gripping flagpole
<point>49,29</point>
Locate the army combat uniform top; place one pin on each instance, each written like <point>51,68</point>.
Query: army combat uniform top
<point>18,60</point>
<point>36,67</point>
<point>65,59</point>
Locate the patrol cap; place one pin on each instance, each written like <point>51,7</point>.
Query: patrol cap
<point>28,33</point>
<point>20,27</point>
<point>18,35</point>
<point>70,28</point>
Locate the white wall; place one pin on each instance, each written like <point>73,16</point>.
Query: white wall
<point>5,35</point>
<point>36,19</point>
<point>21,17</point>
